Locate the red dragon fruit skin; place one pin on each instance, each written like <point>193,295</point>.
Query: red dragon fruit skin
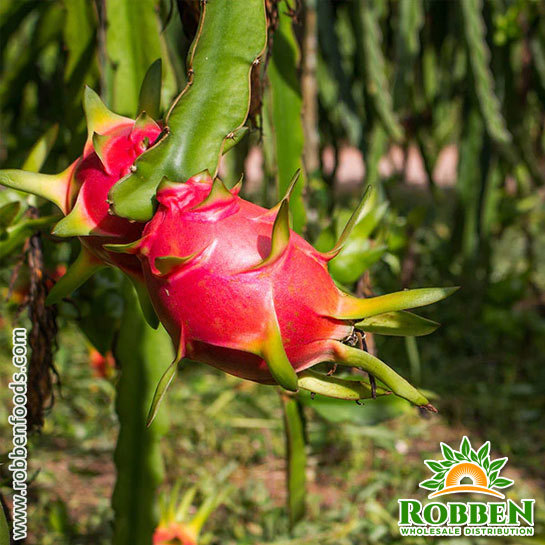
<point>237,289</point>
<point>95,174</point>
<point>81,192</point>
<point>113,145</point>
<point>239,306</point>
<point>173,533</point>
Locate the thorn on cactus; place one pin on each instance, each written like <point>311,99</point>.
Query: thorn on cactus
<point>99,143</point>
<point>150,92</point>
<point>354,219</point>
<point>168,263</point>
<point>165,381</point>
<point>77,224</point>
<point>218,195</point>
<point>295,178</point>
<point>53,187</point>
<point>352,308</point>
<point>83,268</point>
<point>129,248</point>
<point>99,118</point>
<point>280,237</point>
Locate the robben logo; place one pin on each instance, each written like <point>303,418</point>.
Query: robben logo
<point>471,473</point>
<point>466,470</point>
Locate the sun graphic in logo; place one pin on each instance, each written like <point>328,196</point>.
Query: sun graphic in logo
<point>451,475</point>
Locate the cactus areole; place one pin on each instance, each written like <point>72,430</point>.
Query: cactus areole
<point>237,289</point>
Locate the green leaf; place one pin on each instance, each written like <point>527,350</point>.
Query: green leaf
<point>496,465</point>
<point>296,457</point>
<point>132,45</point>
<point>4,528</point>
<point>434,466</point>
<point>465,446</point>
<point>448,453</point>
<point>354,260</point>
<point>493,477</point>
<point>85,265</point>
<point>161,390</point>
<point>339,411</point>
<point>40,151</point>
<point>149,100</point>
<point>215,103</point>
<point>352,357</point>
<point>16,235</point>
<point>8,213</point>
<point>335,387</point>
<point>484,451</point>
<point>354,308</point>
<point>398,323</point>
<point>79,35</point>
<point>459,456</point>
<point>502,482</point>
<point>431,484</point>
<point>285,104</point>
<point>473,456</point>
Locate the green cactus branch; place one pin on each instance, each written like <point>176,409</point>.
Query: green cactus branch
<point>479,57</point>
<point>284,103</point>
<point>214,104</point>
<point>296,457</point>
<point>137,455</point>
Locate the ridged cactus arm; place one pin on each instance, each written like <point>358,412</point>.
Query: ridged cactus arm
<point>137,455</point>
<point>284,105</point>
<point>214,104</point>
<point>296,457</point>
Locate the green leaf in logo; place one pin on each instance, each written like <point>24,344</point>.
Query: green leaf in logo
<point>448,463</point>
<point>465,447</point>
<point>459,456</point>
<point>486,465</point>
<point>496,465</point>
<point>433,465</point>
<point>484,451</point>
<point>448,453</point>
<point>493,477</point>
<point>473,456</point>
<point>502,482</point>
<point>431,484</point>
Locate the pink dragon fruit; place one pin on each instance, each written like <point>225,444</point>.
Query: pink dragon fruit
<point>113,144</point>
<point>237,289</point>
<point>174,533</point>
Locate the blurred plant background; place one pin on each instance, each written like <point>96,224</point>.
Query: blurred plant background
<point>440,107</point>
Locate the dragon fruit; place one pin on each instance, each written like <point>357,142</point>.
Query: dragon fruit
<point>237,289</point>
<point>173,533</point>
<point>113,144</point>
<point>181,521</point>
